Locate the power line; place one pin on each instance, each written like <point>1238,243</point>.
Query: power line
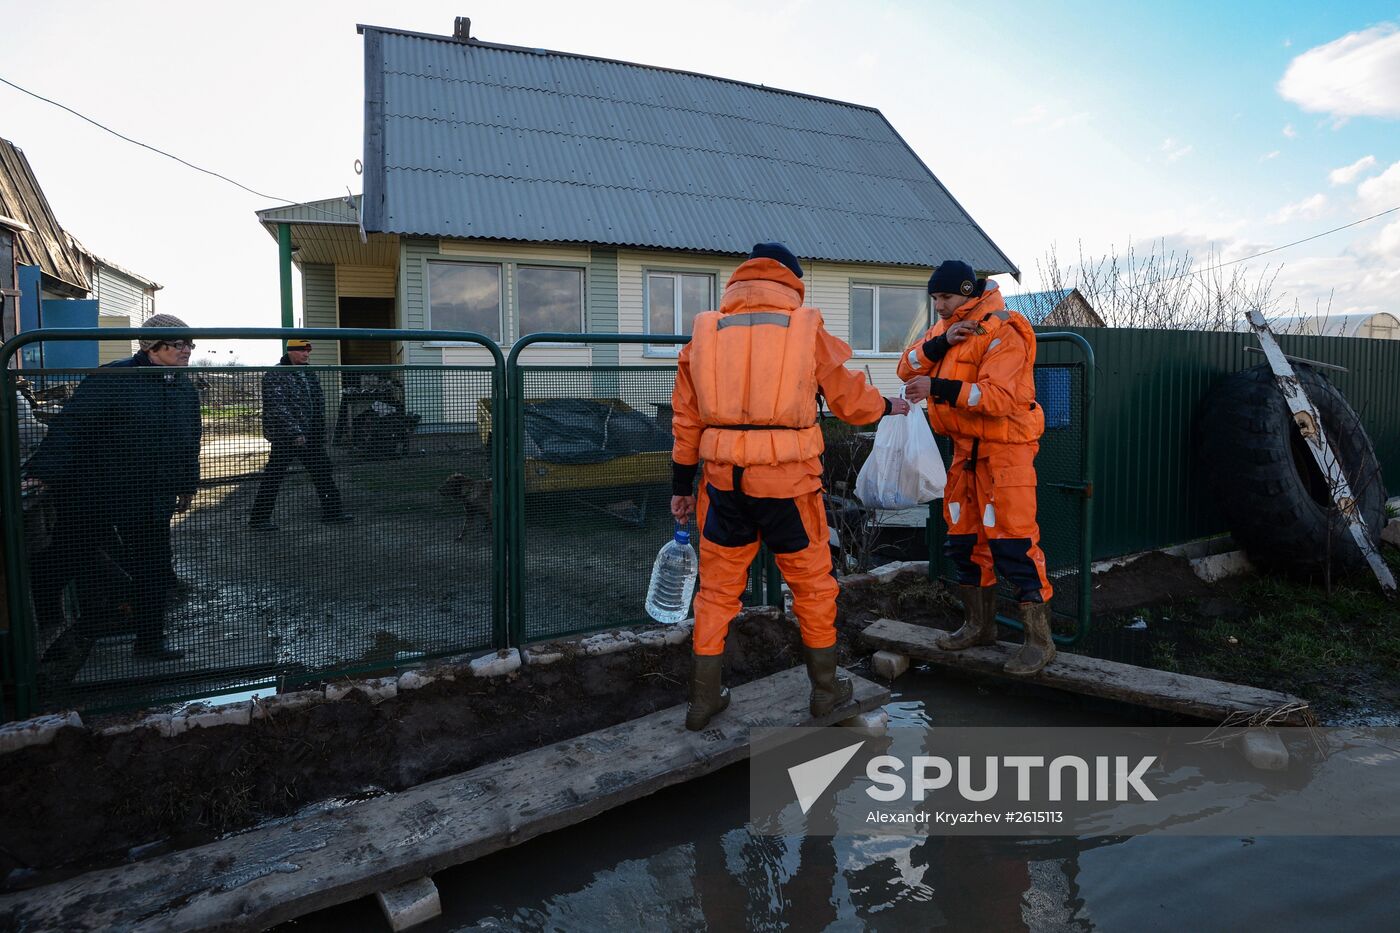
<point>158,151</point>
<point>1274,249</point>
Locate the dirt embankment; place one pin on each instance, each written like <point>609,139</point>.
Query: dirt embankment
<point>87,799</point>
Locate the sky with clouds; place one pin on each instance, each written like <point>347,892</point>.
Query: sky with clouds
<point>1223,128</point>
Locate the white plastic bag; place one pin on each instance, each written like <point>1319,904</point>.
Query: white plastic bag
<point>905,468</point>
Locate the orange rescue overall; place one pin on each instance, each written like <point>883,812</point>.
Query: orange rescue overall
<point>745,403</point>
<point>995,425</point>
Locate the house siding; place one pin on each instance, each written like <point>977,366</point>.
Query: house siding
<point>318,305</point>
<point>109,351</point>
<point>364,281</point>
<point>121,302</point>
<point>829,289</point>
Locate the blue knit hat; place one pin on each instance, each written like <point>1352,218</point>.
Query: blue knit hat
<point>955,277</point>
<point>779,252</point>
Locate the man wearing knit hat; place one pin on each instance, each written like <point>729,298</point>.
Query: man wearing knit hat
<point>745,403</point>
<point>976,367</point>
<point>121,459</point>
<point>294,423</point>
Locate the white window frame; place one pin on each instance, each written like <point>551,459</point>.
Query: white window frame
<point>875,287</point>
<point>663,351</point>
<point>501,321</point>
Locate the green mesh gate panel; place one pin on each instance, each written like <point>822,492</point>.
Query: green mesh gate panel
<point>593,464</point>
<point>115,571</point>
<point>1063,390</point>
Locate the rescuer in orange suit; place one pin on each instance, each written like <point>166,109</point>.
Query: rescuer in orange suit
<point>976,368</point>
<point>745,402</point>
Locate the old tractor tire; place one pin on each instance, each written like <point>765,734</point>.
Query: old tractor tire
<point>1266,484</point>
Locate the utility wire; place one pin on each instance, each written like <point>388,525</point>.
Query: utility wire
<point>137,142</point>
<point>1195,272</point>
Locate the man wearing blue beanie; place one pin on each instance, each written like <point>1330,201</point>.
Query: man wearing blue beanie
<point>976,367</point>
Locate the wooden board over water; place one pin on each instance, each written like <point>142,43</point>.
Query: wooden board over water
<point>280,872</point>
<point>1141,686</point>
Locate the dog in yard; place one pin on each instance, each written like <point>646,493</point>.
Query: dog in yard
<point>475,496</point>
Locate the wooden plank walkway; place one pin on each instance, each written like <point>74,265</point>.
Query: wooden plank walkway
<point>1180,693</point>
<point>270,875</point>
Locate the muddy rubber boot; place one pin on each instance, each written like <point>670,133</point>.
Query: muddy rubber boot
<point>829,691</point>
<point>980,628</point>
<point>1039,648</point>
<point>708,697</point>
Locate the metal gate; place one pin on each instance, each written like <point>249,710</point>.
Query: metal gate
<point>590,487</point>
<point>1064,376</point>
<point>104,556</point>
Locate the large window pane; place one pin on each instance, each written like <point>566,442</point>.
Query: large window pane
<point>661,304</point>
<point>550,300</point>
<point>465,296</point>
<point>901,309</point>
<point>695,297</point>
<point>862,318</point>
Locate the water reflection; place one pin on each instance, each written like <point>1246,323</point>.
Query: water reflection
<point>683,859</point>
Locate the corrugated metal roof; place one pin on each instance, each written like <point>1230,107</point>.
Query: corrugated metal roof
<point>327,211</point>
<point>108,264</point>
<point>44,244</point>
<point>474,140</point>
<point>1037,306</point>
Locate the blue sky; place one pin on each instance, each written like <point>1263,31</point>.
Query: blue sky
<point>1214,126</point>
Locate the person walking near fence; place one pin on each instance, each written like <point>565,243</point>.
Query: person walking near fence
<point>976,368</point>
<point>120,460</point>
<point>745,402</point>
<point>294,423</point>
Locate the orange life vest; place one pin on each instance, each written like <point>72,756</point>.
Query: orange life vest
<point>963,362</point>
<point>755,379</point>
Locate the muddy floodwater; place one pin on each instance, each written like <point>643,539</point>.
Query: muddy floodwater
<point>684,859</point>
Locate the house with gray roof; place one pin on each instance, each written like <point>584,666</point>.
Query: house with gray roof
<point>1061,307</point>
<point>512,190</point>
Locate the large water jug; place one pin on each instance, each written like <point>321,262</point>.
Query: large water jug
<point>673,580</point>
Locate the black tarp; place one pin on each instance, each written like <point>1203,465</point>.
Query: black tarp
<point>583,430</point>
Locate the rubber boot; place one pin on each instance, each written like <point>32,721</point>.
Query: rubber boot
<point>828,690</point>
<point>980,627</point>
<point>1039,648</point>
<point>708,697</point>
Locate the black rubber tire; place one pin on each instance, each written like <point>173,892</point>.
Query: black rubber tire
<point>1264,481</point>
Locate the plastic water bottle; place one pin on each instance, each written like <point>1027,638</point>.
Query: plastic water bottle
<point>673,580</point>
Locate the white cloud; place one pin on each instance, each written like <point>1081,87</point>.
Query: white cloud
<point>1289,131</point>
<point>1306,209</point>
<point>1269,155</point>
<point>1052,117</point>
<point>1349,173</point>
<point>1386,245</point>
<point>1357,75</point>
<point>1175,151</point>
<point>1382,192</point>
<point>1288,43</point>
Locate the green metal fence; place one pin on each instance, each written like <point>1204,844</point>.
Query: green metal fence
<point>494,505</point>
<point>1065,390</point>
<point>104,572</point>
<point>1148,485</point>
<point>590,489</point>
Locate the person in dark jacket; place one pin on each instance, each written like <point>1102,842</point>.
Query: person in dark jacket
<point>120,460</point>
<point>294,422</point>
